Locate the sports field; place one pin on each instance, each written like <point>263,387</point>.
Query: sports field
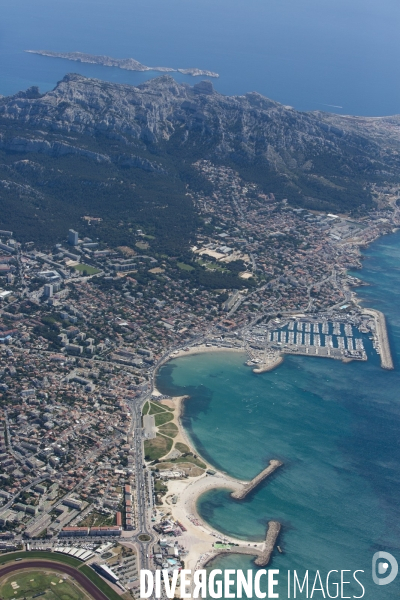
<point>46,585</point>
<point>86,269</point>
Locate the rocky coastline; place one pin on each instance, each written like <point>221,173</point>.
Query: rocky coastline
<point>128,64</point>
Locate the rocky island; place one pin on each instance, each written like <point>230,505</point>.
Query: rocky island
<point>129,64</point>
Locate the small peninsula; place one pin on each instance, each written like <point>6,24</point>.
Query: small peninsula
<point>129,64</point>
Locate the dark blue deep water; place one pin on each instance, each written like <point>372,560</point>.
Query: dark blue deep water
<point>335,55</point>
<point>335,426</point>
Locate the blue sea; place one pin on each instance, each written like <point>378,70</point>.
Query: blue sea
<point>335,426</point>
<point>333,55</point>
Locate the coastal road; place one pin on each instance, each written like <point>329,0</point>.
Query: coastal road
<point>143,524</point>
<point>79,577</point>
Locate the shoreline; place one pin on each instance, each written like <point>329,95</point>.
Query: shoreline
<point>203,349</point>
<point>200,536</point>
<point>127,64</point>
<point>190,351</point>
<point>269,366</point>
<point>207,348</point>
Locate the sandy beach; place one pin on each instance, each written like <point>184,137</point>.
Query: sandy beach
<point>203,348</point>
<point>200,537</point>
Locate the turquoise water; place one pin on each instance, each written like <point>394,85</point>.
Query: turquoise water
<point>335,55</point>
<point>336,428</point>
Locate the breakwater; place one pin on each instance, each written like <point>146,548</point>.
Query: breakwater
<point>263,554</point>
<point>248,487</point>
<point>274,528</point>
<point>381,337</point>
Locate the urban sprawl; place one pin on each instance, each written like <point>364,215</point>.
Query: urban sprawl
<point>93,459</point>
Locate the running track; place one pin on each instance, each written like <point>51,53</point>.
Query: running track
<point>83,581</point>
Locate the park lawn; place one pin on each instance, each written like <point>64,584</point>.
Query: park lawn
<point>162,418</point>
<point>158,408</point>
<point>155,409</point>
<point>184,267</point>
<point>182,448</point>
<point>145,409</point>
<point>89,270</point>
<point>32,582</point>
<point>169,429</point>
<point>212,266</point>
<point>157,447</point>
<point>159,486</point>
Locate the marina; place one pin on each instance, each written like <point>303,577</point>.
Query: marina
<point>341,338</point>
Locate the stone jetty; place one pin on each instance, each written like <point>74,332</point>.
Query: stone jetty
<point>274,528</point>
<point>248,487</point>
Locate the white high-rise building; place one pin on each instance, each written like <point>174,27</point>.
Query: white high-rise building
<point>48,290</point>
<point>72,237</point>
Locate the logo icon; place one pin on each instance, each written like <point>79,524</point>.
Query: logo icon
<point>381,561</point>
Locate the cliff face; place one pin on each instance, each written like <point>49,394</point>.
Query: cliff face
<point>146,138</point>
<point>242,127</point>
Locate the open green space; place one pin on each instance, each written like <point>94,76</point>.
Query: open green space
<point>155,409</point>
<point>162,418</point>
<point>62,558</point>
<point>189,459</point>
<point>100,583</point>
<point>30,583</point>
<point>160,486</point>
<point>211,266</point>
<point>184,267</point>
<point>169,429</point>
<point>96,519</point>
<point>145,409</point>
<point>182,447</point>
<point>86,269</point>
<point>157,447</point>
